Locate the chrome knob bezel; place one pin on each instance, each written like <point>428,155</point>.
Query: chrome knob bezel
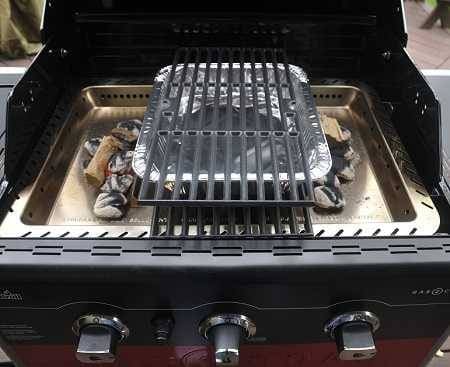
<point>356,316</point>
<point>244,322</point>
<point>101,320</point>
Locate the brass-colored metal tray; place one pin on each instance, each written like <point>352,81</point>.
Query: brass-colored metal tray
<point>387,197</point>
<point>383,200</point>
<point>60,201</point>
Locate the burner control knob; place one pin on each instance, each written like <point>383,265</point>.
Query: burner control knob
<point>98,336</point>
<point>226,331</point>
<point>353,334</point>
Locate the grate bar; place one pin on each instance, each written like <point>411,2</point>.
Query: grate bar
<point>229,126</point>
<point>201,123</point>
<point>308,180</point>
<point>247,221</point>
<point>213,150</point>
<point>192,88</point>
<point>215,228</point>
<point>277,220</point>
<point>243,118</point>
<point>258,153</point>
<point>180,88</point>
<point>162,173</point>
<point>154,227</point>
<point>232,221</point>
<point>273,151</point>
<point>200,228</point>
<point>290,164</point>
<point>262,220</point>
<point>180,167</point>
<point>151,144</point>
<point>293,225</point>
<point>188,116</point>
<point>170,224</point>
<point>184,222</point>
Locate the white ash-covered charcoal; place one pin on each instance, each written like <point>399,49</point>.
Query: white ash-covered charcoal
<point>117,183</point>
<point>92,145</point>
<point>345,169</point>
<point>346,133</point>
<point>134,125</point>
<point>110,205</point>
<point>327,189</point>
<point>343,150</point>
<point>128,130</point>
<point>328,197</point>
<point>95,171</point>
<point>330,179</point>
<point>120,162</point>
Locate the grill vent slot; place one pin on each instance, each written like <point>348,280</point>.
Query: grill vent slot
<point>283,248</point>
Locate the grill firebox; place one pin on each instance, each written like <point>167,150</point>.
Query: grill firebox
<point>387,198</point>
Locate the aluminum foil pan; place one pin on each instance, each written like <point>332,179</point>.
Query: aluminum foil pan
<point>234,102</point>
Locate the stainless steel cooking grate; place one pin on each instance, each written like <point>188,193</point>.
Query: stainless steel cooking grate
<point>239,222</point>
<point>239,129</point>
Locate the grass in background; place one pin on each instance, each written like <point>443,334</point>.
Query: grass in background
<point>432,3</point>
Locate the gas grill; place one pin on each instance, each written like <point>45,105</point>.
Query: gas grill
<point>222,257</point>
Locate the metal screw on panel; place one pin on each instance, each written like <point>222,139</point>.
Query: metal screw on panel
<point>386,55</point>
<point>63,53</point>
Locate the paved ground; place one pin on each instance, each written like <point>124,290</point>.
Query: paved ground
<point>19,62</point>
<point>430,48</point>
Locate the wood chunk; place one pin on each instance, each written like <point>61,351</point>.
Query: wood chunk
<point>333,131</point>
<point>95,171</point>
